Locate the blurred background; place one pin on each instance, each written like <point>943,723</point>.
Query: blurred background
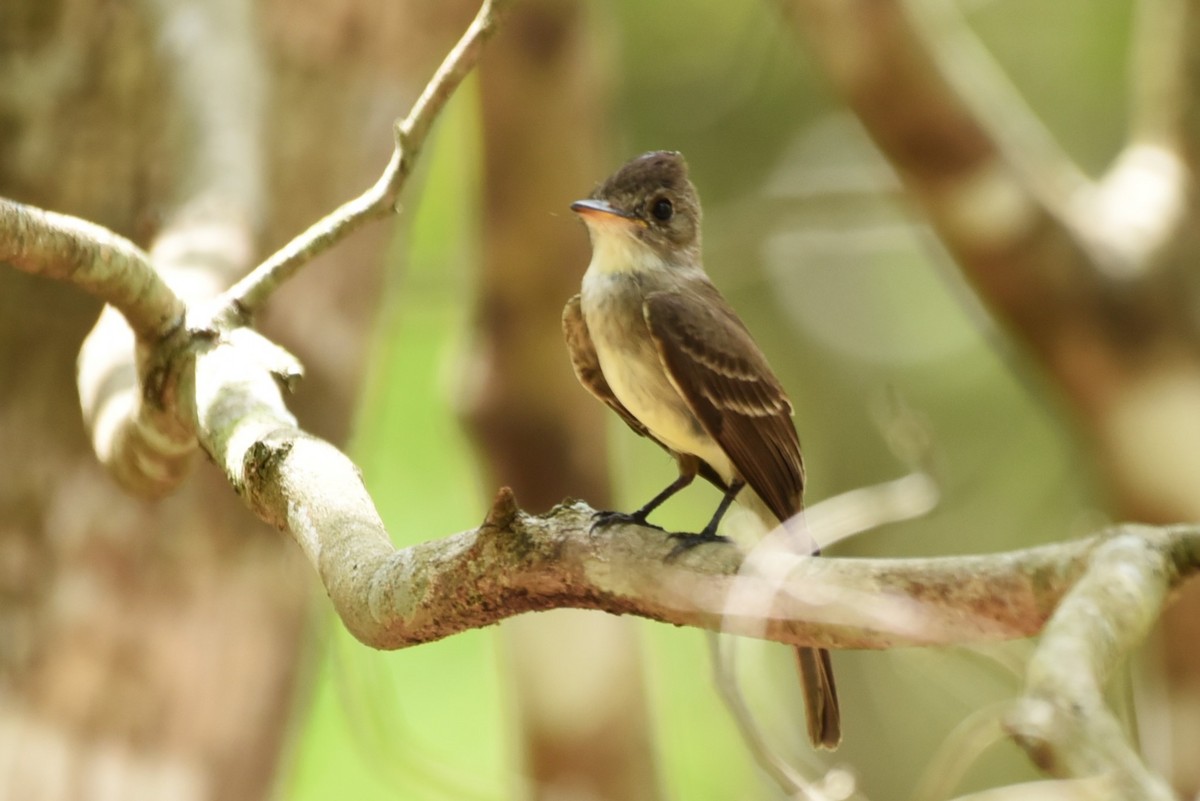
<point>183,646</point>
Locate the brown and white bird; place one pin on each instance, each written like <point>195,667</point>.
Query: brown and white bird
<point>652,338</point>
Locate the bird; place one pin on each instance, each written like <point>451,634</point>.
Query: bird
<point>651,337</point>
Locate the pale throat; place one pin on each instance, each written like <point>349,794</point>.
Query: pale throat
<point>616,250</point>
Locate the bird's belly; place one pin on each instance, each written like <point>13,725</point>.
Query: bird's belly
<point>631,365</point>
<point>646,392</point>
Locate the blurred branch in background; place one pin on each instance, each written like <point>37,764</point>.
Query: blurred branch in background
<point>126,624</point>
<point>1095,278</point>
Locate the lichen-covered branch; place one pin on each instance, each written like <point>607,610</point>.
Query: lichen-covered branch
<point>1095,597</point>
<point>1099,594</point>
<point>142,443</point>
<point>248,295</point>
<point>516,563</point>
<point>92,258</point>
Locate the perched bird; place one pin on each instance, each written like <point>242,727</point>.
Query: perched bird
<point>652,338</point>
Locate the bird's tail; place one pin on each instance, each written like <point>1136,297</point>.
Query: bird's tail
<point>821,707</point>
<point>820,697</point>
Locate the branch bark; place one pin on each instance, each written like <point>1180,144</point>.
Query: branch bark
<point>1062,721</point>
<point>131,409</point>
<point>516,563</point>
<point>1100,594</point>
<point>93,259</point>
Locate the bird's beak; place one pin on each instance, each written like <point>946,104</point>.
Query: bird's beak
<point>601,211</point>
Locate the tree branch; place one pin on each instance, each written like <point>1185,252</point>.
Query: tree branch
<point>94,259</point>
<point>143,444</point>
<point>984,166</point>
<point>1107,589</point>
<point>516,563</point>
<point>133,409</point>
<point>223,382</point>
<point>1063,721</point>
<point>999,190</point>
<point>246,297</point>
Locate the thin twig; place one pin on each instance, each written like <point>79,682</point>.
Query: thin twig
<point>960,750</point>
<point>248,295</point>
<point>721,657</point>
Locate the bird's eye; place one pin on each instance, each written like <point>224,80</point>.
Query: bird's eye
<point>662,209</point>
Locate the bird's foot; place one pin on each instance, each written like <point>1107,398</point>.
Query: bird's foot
<point>689,541</point>
<point>606,519</point>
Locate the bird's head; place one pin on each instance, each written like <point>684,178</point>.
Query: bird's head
<point>646,214</point>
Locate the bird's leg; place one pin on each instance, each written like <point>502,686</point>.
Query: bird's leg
<point>639,517</point>
<point>709,532</point>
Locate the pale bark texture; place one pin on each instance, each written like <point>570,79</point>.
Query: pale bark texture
<point>159,650</point>
<point>577,676</point>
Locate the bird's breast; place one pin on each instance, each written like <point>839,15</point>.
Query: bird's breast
<point>612,308</point>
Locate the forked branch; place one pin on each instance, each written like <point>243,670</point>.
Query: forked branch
<point>248,295</point>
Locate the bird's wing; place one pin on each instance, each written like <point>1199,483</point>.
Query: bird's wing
<point>587,365</point>
<point>587,370</point>
<point>718,369</point>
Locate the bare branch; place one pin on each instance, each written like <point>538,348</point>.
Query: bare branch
<point>144,445</point>
<point>129,409</point>
<point>134,411</point>
<point>1107,589</point>
<point>897,62</point>
<point>248,295</point>
<point>989,98</point>
<point>1063,721</point>
<point>516,563</point>
<point>93,258</point>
